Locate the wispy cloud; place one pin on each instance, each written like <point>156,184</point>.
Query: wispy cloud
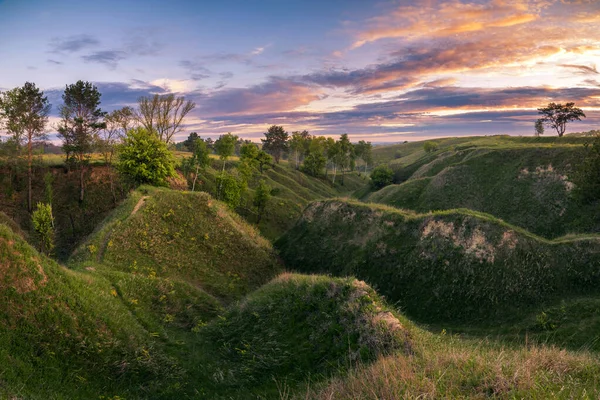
<point>72,44</point>
<point>109,58</point>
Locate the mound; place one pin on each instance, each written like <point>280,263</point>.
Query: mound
<point>184,236</point>
<point>299,326</point>
<point>453,264</point>
<point>65,334</point>
<point>526,186</point>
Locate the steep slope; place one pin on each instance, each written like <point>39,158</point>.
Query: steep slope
<point>184,236</point>
<point>296,328</point>
<point>440,266</point>
<point>527,186</point>
<point>65,334</point>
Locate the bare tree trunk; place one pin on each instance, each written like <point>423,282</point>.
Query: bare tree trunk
<point>195,178</point>
<point>81,179</point>
<point>29,190</point>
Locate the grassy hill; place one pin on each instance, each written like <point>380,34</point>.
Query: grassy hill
<point>292,191</point>
<point>455,264</point>
<point>525,181</point>
<point>186,236</point>
<point>66,334</point>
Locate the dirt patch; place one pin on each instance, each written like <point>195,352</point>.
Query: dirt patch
<point>474,243</point>
<point>139,204</point>
<point>509,240</point>
<point>548,173</point>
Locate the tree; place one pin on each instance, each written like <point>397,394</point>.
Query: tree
<point>249,152</point>
<point>25,110</point>
<point>43,225</point>
<point>331,151</point>
<point>264,160</point>
<point>224,147</point>
<point>381,176</point>
<point>231,189</point>
<point>314,163</point>
<point>199,160</point>
<point>298,146</point>
<point>539,127</point>
<point>345,153</point>
<point>430,146</point>
<point>364,151</point>
<point>276,142</point>
<point>117,124</point>
<point>558,115</point>
<point>145,159</point>
<point>262,195</point>
<point>81,119</point>
<point>190,141</point>
<point>163,114</point>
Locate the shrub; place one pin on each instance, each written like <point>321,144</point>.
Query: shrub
<point>430,146</point>
<point>381,176</point>
<point>145,159</point>
<point>43,224</point>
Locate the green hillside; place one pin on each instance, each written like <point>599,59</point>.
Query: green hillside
<point>524,181</point>
<point>65,334</point>
<point>182,235</point>
<point>456,264</point>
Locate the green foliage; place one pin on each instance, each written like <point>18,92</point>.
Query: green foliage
<point>299,326</point>
<point>184,235</point>
<point>145,159</point>
<point>225,146</point>
<point>262,195</point>
<point>587,175</point>
<point>430,146</point>
<point>381,176</point>
<point>190,142</point>
<point>539,127</point>
<point>231,188</point>
<point>456,264</point>
<point>276,142</point>
<point>43,224</point>
<point>314,164</point>
<point>557,115</point>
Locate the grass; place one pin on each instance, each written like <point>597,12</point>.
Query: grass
<point>445,366</point>
<point>185,236</point>
<point>527,184</point>
<point>63,334</point>
<point>445,266</point>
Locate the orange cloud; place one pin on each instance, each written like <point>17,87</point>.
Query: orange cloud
<point>448,18</point>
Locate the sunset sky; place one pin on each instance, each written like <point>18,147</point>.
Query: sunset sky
<point>384,71</point>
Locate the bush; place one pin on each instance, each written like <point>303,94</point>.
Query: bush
<point>145,159</point>
<point>43,224</point>
<point>430,146</point>
<point>230,189</point>
<point>587,175</point>
<point>381,176</point>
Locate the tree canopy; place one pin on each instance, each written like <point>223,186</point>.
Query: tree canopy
<point>557,115</point>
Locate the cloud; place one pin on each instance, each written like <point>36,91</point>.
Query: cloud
<point>109,58</point>
<point>72,44</point>
<point>274,95</point>
<point>196,70</point>
<point>582,69</point>
<point>50,61</point>
<point>446,18</point>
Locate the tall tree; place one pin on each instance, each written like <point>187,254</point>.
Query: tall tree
<point>164,114</point>
<point>539,128</point>
<point>262,195</point>
<point>345,153</point>
<point>201,158</point>
<point>276,142</point>
<point>558,115</point>
<point>190,142</point>
<point>81,120</point>
<point>117,123</point>
<point>298,146</point>
<point>224,147</point>
<point>25,110</point>
<point>363,150</point>
<point>331,152</point>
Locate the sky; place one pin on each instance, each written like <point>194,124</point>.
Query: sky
<point>384,71</point>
